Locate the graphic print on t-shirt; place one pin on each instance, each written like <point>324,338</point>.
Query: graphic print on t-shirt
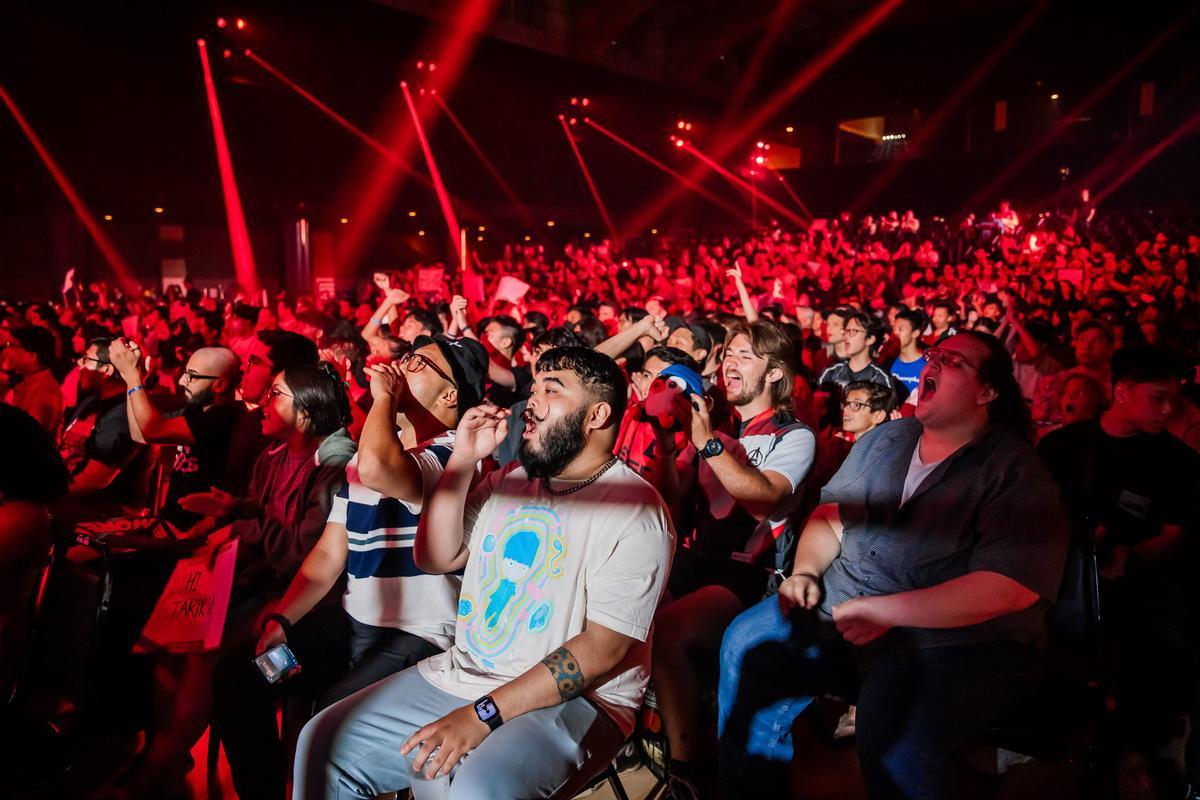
<point>514,567</point>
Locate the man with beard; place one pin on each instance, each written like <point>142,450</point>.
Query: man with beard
<point>749,489</point>
<point>203,429</point>
<point>105,463</point>
<point>26,360</point>
<point>565,560</point>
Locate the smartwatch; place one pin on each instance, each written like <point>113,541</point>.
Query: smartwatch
<point>713,447</point>
<point>485,709</point>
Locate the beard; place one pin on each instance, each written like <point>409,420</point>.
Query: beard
<point>200,399</point>
<point>748,392</point>
<point>561,442</point>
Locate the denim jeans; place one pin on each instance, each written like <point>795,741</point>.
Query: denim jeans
<point>916,708</point>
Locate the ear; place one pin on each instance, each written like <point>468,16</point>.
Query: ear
<point>878,417</point>
<point>448,398</point>
<point>774,375</point>
<point>599,416</point>
<point>986,395</point>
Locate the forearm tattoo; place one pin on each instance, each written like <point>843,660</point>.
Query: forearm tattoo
<point>567,673</point>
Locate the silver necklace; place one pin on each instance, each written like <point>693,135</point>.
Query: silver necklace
<point>561,492</point>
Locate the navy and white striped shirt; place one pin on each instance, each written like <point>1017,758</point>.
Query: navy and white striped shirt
<point>384,586</point>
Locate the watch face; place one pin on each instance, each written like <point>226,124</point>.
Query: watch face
<point>485,709</point>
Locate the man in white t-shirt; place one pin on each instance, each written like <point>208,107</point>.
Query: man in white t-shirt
<point>565,559</point>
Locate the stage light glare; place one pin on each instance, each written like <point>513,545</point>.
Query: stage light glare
<point>412,213</point>
<point>759,160</point>
<point>573,121</point>
<point>587,235</point>
<point>562,116</point>
<point>481,228</point>
<point>344,220</point>
<point>420,233</point>
<point>687,127</point>
<point>759,145</point>
<point>246,52</point>
<point>585,102</point>
<point>432,66</point>
<point>108,217</point>
<point>240,24</point>
<point>680,124</point>
<point>1054,96</point>
<point>574,101</point>
<point>549,223</point>
<point>159,209</point>
<point>201,43</point>
<point>654,231</point>
<point>528,237</point>
<point>221,23</point>
<point>679,142</point>
<point>479,238</point>
<point>789,129</point>
<point>228,53</point>
<point>420,65</point>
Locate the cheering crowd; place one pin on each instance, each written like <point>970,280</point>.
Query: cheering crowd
<point>863,463</point>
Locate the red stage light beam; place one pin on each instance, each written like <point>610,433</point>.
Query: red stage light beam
<point>370,141</point>
<point>239,235</point>
<point>526,217</point>
<point>368,191</point>
<point>103,243</point>
<point>927,129</point>
<point>1076,114</point>
<point>773,105</point>
<point>640,153</point>
<point>587,176</point>
<point>1186,128</point>
<point>787,187</point>
<point>710,163</point>
<point>776,25</point>
<point>434,174</point>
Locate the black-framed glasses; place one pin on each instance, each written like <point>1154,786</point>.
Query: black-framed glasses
<point>855,405</point>
<point>415,362</point>
<point>947,358</point>
<point>100,362</point>
<point>274,392</point>
<point>190,375</point>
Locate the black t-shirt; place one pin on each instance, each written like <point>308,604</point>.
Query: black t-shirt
<point>223,443</point>
<point>98,430</point>
<point>1132,485</point>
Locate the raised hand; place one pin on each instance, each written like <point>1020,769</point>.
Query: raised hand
<point>480,432</point>
<point>124,355</point>
<point>387,382</point>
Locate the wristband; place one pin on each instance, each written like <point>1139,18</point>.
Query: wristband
<point>283,621</point>
<point>376,321</point>
<point>137,388</point>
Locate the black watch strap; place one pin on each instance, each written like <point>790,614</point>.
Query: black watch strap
<point>713,447</point>
<point>283,621</point>
<point>488,712</point>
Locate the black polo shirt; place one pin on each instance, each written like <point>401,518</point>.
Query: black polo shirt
<point>991,506</point>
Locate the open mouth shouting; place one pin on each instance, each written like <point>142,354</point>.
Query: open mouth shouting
<point>531,424</point>
<point>928,387</point>
<point>733,382</point>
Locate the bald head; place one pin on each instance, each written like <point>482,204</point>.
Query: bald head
<point>217,372</point>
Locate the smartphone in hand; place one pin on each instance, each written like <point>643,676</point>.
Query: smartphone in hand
<point>277,663</point>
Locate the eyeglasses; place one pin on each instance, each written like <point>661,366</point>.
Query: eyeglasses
<point>190,375</point>
<point>274,392</point>
<point>947,358</point>
<point>852,331</point>
<point>855,405</point>
<point>255,361</point>
<point>415,362</point>
<point>100,362</point>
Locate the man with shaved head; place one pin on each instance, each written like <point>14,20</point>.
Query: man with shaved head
<point>206,430</point>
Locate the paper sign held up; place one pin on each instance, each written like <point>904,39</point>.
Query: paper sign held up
<point>511,290</point>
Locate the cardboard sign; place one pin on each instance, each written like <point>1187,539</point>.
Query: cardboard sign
<point>511,290</point>
<point>189,616</point>
<point>430,280</point>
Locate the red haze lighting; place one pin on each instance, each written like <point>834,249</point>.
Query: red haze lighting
<point>221,23</point>
<point>591,184</point>
<point>240,24</point>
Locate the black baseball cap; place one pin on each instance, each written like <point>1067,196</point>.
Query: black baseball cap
<point>468,366</point>
<point>700,336</point>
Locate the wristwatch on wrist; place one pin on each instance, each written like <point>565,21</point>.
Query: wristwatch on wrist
<point>713,447</point>
<point>488,713</point>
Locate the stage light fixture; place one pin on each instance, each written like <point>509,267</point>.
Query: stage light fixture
<point>528,237</point>
<point>479,238</point>
<point>587,235</point>
<point>221,23</point>
<point>420,65</point>
<point>549,223</point>
<point>412,213</point>
<point>228,53</point>
<point>420,233</point>
<point>159,209</point>
<point>240,24</point>
<point>654,231</point>
<point>344,220</point>
<point>759,160</point>
<point>201,43</point>
<point>680,124</point>
<point>574,101</point>
<point>481,228</point>
<point>1054,96</point>
<point>585,102</point>
<point>789,129</point>
<point>432,66</point>
<point>108,217</point>
<point>678,142</point>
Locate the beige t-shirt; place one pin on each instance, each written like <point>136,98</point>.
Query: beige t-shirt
<point>541,565</point>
